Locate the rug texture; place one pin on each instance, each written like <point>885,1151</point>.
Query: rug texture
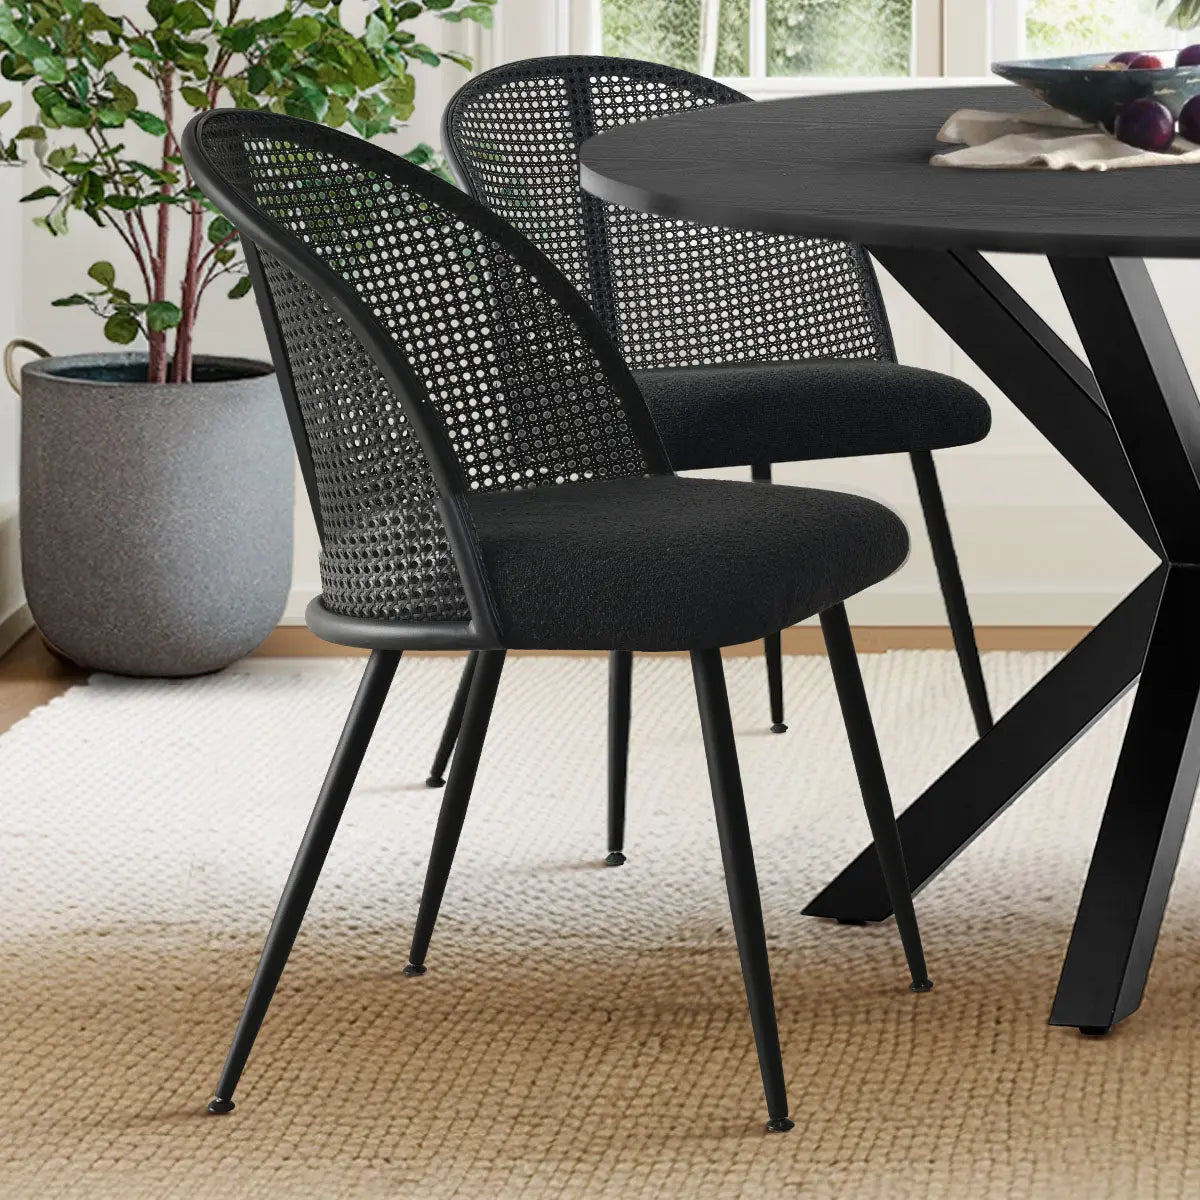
<point>582,1030</point>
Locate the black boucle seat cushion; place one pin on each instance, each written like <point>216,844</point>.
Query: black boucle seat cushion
<point>823,408</point>
<point>675,564</point>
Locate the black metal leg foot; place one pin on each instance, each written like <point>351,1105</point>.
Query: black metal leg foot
<point>780,1125</point>
<point>921,986</point>
<point>218,1106</point>
<point>343,769</point>
<point>945,559</point>
<point>476,714</point>
<point>620,703</point>
<point>741,879</point>
<point>437,771</point>
<point>1095,1030</point>
<point>851,921</point>
<point>872,781</point>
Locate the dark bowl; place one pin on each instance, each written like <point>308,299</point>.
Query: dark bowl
<point>1078,86</point>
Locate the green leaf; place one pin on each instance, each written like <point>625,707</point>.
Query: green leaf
<point>240,288</point>
<point>422,53</point>
<point>162,314</point>
<point>122,328</point>
<point>124,98</point>
<point>160,10</point>
<point>31,133</point>
<point>40,194</point>
<point>96,20</point>
<point>257,78</point>
<point>189,16</point>
<point>406,11</point>
<point>70,301</point>
<point>50,67</point>
<point>5,105</point>
<point>195,96</point>
<point>219,228</point>
<point>375,34</point>
<point>463,60</point>
<point>71,116</point>
<point>110,118</point>
<point>420,154</point>
<point>104,273</point>
<point>301,32</point>
<point>149,122</point>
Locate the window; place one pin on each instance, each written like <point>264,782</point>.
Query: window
<point>1076,26</point>
<point>773,38</point>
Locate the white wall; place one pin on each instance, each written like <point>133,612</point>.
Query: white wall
<point>12,616</point>
<point>1037,546</point>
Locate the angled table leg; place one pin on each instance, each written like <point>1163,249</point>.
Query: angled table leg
<point>1123,901</point>
<point>1131,427</point>
<point>1154,409</point>
<point>1023,743</point>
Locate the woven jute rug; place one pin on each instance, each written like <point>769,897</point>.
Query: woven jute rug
<point>582,1030</point>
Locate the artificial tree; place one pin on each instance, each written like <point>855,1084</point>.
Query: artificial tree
<point>114,91</point>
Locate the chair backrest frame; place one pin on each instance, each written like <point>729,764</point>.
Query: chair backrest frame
<point>263,233</point>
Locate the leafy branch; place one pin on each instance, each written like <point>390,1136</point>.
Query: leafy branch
<point>113,92</point>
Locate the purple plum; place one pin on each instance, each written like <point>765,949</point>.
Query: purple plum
<point>1125,57</point>
<point>1146,124</point>
<point>1189,56</point>
<point>1189,120</point>
<point>1146,62</point>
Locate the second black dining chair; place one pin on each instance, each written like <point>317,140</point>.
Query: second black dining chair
<point>750,349</point>
<point>484,474</point>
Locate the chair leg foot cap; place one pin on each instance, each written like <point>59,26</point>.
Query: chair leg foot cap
<point>1095,1030</point>
<point>218,1106</point>
<point>857,921</point>
<point>779,727</point>
<point>614,858</point>
<point>435,781</point>
<point>414,969</point>
<point>780,1125</point>
<point>921,985</point>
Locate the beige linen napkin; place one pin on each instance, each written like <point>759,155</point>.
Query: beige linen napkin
<point>1045,137</point>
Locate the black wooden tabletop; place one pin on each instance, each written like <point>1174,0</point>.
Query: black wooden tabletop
<point>857,167</point>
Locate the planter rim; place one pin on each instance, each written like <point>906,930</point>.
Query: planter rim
<point>61,368</point>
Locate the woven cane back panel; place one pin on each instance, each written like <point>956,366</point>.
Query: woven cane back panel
<point>520,393</point>
<point>673,293</point>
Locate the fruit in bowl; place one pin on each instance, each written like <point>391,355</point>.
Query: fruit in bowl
<point>1096,87</point>
<point>1189,120</point>
<point>1146,124</point>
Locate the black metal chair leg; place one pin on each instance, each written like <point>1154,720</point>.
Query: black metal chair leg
<point>339,779</point>
<point>953,593</point>
<point>741,879</point>
<point>476,715</point>
<point>454,719</point>
<point>872,780</point>
<point>772,643</point>
<point>620,697</point>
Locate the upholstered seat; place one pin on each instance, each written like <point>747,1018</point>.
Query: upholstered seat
<point>659,563</point>
<point>750,413</point>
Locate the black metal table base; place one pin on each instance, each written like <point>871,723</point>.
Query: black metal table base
<point>1131,427</point>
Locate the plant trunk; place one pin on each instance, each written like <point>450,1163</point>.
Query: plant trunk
<point>189,301</point>
<point>157,369</point>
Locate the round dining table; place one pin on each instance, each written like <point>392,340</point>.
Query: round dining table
<point>856,167</point>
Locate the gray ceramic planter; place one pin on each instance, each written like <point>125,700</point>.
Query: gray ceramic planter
<point>156,519</point>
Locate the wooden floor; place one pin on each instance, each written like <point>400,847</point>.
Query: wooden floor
<point>31,676</point>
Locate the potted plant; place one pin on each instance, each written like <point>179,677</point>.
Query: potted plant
<point>156,484</point>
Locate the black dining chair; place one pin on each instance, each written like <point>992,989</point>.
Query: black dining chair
<point>750,349</point>
<point>484,474</point>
